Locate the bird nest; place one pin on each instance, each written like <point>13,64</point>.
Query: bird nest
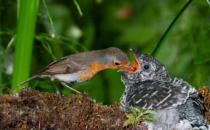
<point>31,109</point>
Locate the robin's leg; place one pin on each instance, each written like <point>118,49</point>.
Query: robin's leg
<point>69,87</point>
<point>57,90</point>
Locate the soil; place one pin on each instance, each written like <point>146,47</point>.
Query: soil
<point>34,110</point>
<point>205,94</point>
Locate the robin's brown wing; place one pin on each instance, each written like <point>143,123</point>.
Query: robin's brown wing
<point>73,63</point>
<point>68,64</point>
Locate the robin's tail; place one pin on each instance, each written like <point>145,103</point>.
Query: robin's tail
<point>29,79</point>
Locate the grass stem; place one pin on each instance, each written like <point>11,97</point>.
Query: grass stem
<point>24,41</point>
<point>170,27</point>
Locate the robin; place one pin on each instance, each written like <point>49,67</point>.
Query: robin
<point>148,85</point>
<point>83,66</point>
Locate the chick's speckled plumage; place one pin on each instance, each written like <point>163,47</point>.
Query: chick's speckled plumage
<point>177,103</point>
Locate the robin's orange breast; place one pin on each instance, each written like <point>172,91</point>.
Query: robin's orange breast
<point>91,71</point>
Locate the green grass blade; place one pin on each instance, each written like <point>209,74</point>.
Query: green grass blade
<point>52,27</point>
<point>24,42</point>
<point>78,8</point>
<point>1,67</point>
<point>170,27</point>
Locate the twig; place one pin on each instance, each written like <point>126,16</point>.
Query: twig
<point>170,27</point>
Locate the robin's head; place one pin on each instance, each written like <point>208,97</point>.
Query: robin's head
<point>114,58</point>
<point>145,67</point>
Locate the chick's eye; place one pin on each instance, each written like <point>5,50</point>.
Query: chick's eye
<point>146,67</point>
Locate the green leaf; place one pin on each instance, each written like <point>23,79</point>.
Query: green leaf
<point>138,115</point>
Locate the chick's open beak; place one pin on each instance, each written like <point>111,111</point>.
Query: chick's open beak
<point>133,68</point>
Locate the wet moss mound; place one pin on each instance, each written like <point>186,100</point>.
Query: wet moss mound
<point>31,109</point>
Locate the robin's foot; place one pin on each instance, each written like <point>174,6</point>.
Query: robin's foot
<point>57,90</point>
<point>69,87</point>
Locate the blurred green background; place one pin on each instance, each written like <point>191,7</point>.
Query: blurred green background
<point>62,30</point>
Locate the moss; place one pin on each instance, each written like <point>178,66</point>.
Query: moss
<point>31,109</point>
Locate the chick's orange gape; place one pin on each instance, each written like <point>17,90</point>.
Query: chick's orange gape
<point>134,67</point>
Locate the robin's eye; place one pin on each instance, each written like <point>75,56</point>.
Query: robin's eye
<point>117,63</point>
<point>146,67</point>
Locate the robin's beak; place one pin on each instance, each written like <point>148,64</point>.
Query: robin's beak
<point>133,68</point>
